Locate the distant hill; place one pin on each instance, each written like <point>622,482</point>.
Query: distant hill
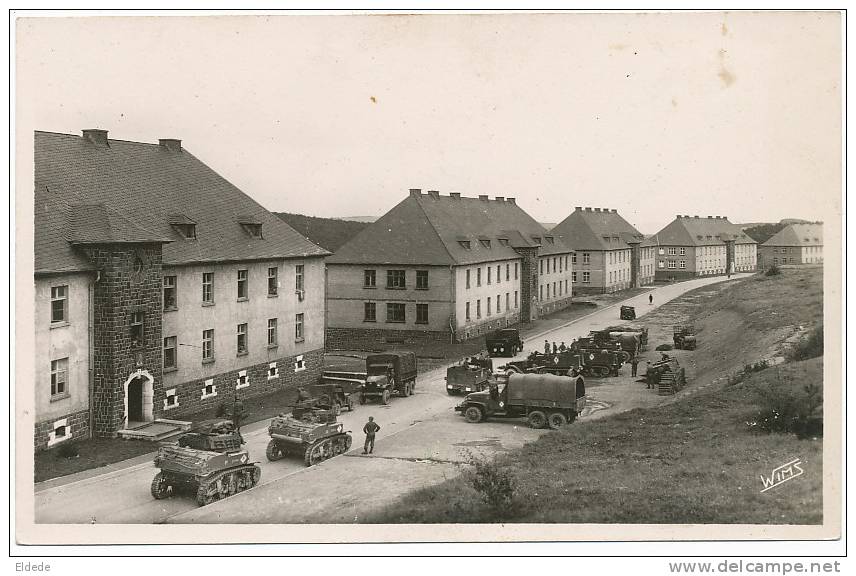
<point>329,233</point>
<point>358,218</point>
<point>760,232</point>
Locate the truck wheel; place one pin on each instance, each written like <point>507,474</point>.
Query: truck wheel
<point>537,419</point>
<point>474,415</point>
<point>273,451</point>
<point>160,488</point>
<point>556,420</point>
<point>385,397</point>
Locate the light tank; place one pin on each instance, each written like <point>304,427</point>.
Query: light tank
<point>309,432</point>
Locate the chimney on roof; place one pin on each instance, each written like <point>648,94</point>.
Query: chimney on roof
<point>500,198</point>
<point>416,192</point>
<point>434,193</point>
<point>511,199</point>
<point>578,208</point>
<point>171,144</point>
<point>615,211</point>
<point>597,209</point>
<point>677,216</point>
<point>483,197</point>
<point>96,136</point>
<point>588,208</point>
<point>456,195</point>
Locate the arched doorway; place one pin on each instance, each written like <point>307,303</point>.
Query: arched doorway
<point>139,396</point>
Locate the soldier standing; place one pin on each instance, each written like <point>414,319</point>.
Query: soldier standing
<point>546,347</point>
<point>562,347</point>
<point>555,348</point>
<point>237,412</point>
<point>633,363</point>
<point>650,299</point>
<point>370,429</point>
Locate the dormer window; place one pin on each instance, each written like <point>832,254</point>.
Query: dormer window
<point>503,241</point>
<point>606,238</point>
<point>536,239</point>
<point>251,225</point>
<point>805,239</point>
<point>699,236</point>
<point>465,244</point>
<point>484,242</point>
<point>817,240</point>
<point>549,239</point>
<point>185,227</point>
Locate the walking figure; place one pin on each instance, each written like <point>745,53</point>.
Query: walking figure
<point>555,348</point>
<point>633,364</point>
<point>370,429</point>
<point>650,299</point>
<point>546,347</point>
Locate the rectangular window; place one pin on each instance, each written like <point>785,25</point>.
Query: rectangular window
<point>573,276</point>
<point>272,336</point>
<point>207,345</point>
<point>672,251</point>
<point>507,272</point>
<point>515,298</point>
<point>498,305</point>
<point>488,305</point>
<point>541,292</point>
<point>369,278</point>
<point>467,311</point>
<point>242,339</point>
<point>515,270</point>
<point>370,312</point>
<point>468,279</point>
<point>671,263</point>
<point>298,327</point>
<point>395,312</point>
<point>422,313</point>
<point>489,270</point>
<point>554,290</point>
<point>59,378</point>
<point>507,300</point>
<point>422,279</point>
<point>586,258</point>
<point>498,273</point>
<point>170,357</point>
<point>273,281</point>
<point>682,264</point>
<point>566,285</point>
<point>574,258</point>
<point>243,294</point>
<point>59,304</point>
<point>478,277</point>
<point>298,278</point>
<point>170,301</point>
<point>395,279</point>
<point>208,287</point>
<point>586,277</point>
<point>478,309</point>
<point>136,329</point>
<point>683,251</point>
<point>560,264</point>
<point>541,266</point>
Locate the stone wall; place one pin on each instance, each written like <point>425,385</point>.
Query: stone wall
<point>76,425</point>
<point>379,339</point>
<point>130,281</point>
<point>553,306</point>
<point>205,393</point>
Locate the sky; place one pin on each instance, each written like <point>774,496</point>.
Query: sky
<point>733,114</point>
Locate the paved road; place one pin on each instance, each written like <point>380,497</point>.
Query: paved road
<point>421,442</point>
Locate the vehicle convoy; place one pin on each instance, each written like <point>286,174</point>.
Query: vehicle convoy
<point>469,375</point>
<point>392,372</point>
<point>504,342</point>
<point>309,432</point>
<point>666,376</point>
<point>684,337</point>
<point>207,461</point>
<point>544,399</point>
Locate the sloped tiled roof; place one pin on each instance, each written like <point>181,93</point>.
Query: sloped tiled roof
<point>699,231</point>
<point>596,229</point>
<point>798,235</point>
<point>445,230</point>
<point>144,187</point>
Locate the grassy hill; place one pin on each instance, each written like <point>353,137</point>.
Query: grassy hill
<point>329,233</point>
<point>695,460</point>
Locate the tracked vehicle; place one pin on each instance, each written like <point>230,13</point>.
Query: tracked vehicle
<point>207,461</point>
<point>309,432</point>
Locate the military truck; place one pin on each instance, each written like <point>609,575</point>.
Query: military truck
<point>684,337</point>
<point>558,363</point>
<point>334,394</point>
<point>392,372</point>
<point>504,342</point>
<point>308,432</point>
<point>207,461</point>
<point>469,375</point>
<point>543,399</point>
<point>640,331</point>
<point>629,342</point>
<point>627,313</point>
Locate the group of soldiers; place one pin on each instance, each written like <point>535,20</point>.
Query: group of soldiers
<point>548,349</point>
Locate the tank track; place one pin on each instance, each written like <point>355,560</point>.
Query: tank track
<point>227,482</point>
<point>326,448</point>
<point>275,451</point>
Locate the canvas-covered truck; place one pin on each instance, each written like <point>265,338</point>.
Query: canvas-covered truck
<point>629,342</point>
<point>389,373</point>
<point>504,342</point>
<point>543,399</point>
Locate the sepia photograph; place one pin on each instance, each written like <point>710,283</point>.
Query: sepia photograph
<point>437,277</point>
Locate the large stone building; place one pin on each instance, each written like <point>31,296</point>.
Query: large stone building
<point>161,289</point>
<point>794,244</point>
<point>610,254</point>
<point>444,268</point>
<point>692,246</point>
